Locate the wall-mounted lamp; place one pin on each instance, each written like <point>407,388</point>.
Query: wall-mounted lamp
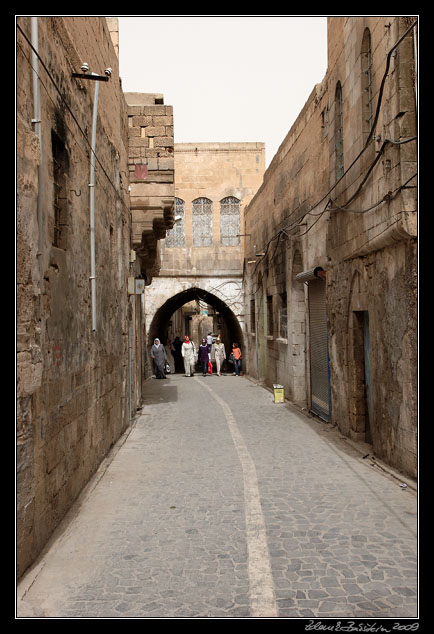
<point>251,261</point>
<point>259,255</point>
<point>86,75</point>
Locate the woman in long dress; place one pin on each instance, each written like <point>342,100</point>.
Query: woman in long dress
<point>203,357</point>
<point>188,351</point>
<point>158,353</point>
<point>219,354</point>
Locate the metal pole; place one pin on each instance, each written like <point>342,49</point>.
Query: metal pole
<point>37,121</point>
<point>92,206</point>
<point>130,372</point>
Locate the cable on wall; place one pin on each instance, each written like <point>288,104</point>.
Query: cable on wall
<point>379,102</point>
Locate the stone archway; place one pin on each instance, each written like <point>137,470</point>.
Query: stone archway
<point>159,325</point>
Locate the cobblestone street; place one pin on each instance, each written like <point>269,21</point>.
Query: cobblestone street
<point>220,503</point>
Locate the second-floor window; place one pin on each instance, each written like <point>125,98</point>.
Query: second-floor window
<point>202,222</point>
<point>283,316</point>
<point>230,221</point>
<point>339,132</point>
<point>367,83</point>
<point>270,329</point>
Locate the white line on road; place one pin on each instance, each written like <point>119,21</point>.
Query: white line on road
<point>262,596</point>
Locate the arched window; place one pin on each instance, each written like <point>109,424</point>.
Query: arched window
<point>367,109</point>
<point>230,221</point>
<point>339,132</point>
<point>202,222</point>
<point>175,237</point>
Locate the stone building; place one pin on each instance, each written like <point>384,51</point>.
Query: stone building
<point>82,264</point>
<point>152,189</point>
<point>331,269</point>
<point>201,259</point>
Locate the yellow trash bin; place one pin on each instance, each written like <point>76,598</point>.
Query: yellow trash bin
<point>279,393</point>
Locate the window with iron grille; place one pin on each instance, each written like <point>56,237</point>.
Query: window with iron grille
<point>283,321</point>
<point>252,316</point>
<point>202,222</point>
<point>270,315</point>
<point>230,221</point>
<point>175,237</point>
<point>367,105</point>
<point>339,131</point>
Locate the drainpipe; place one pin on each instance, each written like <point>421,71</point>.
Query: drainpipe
<point>257,335</point>
<point>92,205</point>
<point>36,121</point>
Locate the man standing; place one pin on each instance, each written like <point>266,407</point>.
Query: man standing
<point>209,341</point>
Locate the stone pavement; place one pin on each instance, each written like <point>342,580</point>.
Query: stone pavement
<point>220,503</point>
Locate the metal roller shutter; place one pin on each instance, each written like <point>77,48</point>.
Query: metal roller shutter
<point>319,358</point>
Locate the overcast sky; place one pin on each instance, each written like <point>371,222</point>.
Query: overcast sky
<point>228,78</point>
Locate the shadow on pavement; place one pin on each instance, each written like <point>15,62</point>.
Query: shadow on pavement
<point>161,391</point>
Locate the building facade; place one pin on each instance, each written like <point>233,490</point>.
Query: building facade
<point>201,258</point>
<point>331,275</point>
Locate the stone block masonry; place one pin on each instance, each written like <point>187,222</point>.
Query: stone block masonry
<point>71,388</point>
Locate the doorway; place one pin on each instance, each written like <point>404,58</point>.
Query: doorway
<point>361,387</point>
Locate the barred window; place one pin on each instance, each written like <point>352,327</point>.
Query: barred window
<point>175,237</point>
<point>270,325</point>
<point>230,221</point>
<point>367,103</point>
<point>202,222</point>
<point>283,316</point>
<point>252,316</point>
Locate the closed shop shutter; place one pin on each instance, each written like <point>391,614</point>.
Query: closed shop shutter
<point>319,358</point>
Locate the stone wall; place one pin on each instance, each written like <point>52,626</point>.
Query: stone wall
<point>151,175</point>
<point>214,171</point>
<point>292,185</point>
<point>72,381</point>
<point>372,241</point>
<point>358,223</point>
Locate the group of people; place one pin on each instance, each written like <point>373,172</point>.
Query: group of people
<point>202,356</point>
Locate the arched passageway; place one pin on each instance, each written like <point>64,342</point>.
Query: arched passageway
<point>230,326</point>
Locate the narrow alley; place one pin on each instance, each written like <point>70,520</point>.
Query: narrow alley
<point>220,503</point>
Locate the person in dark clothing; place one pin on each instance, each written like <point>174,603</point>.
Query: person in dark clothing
<point>158,353</point>
<point>177,355</point>
<point>204,356</point>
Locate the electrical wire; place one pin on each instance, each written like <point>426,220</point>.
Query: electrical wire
<point>373,164</point>
<point>387,198</point>
<point>376,236</point>
<point>368,140</point>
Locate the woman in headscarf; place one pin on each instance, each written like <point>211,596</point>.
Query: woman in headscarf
<point>204,356</point>
<point>158,353</point>
<point>188,352</point>
<point>219,353</point>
